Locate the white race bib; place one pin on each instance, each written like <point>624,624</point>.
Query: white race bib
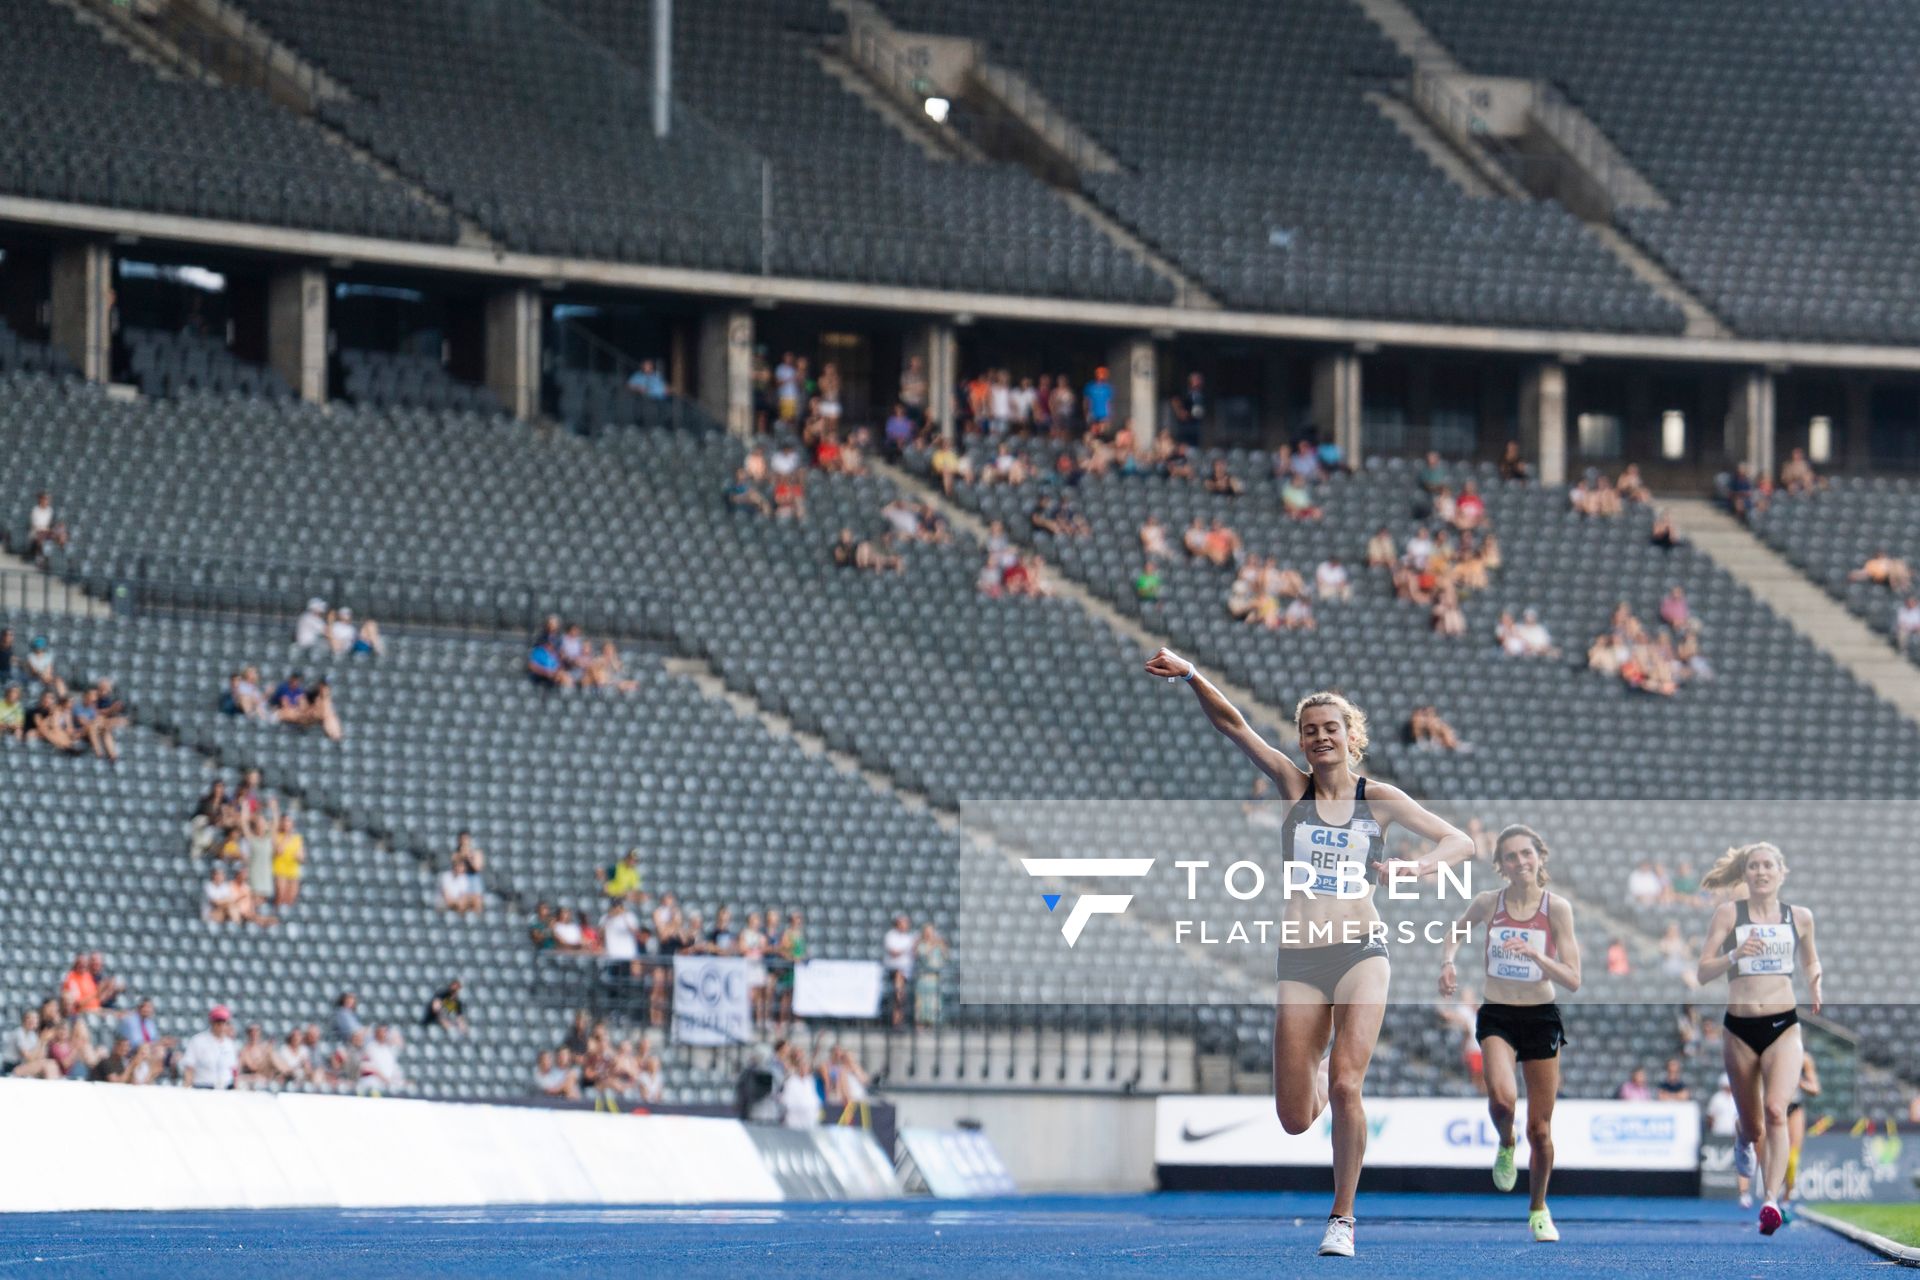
<point>1776,955</point>
<point>1503,964</point>
<point>1333,853</point>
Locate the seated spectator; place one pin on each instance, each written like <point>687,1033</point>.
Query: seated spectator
<point>1433,473</point>
<point>1426,728</point>
<point>1674,609</point>
<point>13,714</point>
<point>79,993</point>
<point>292,1060</point>
<point>1513,467</point>
<point>96,728</point>
<point>447,1009</point>
<point>545,670</point>
<point>1608,653</point>
<point>380,1061</point>
<point>1194,540</point>
<point>1153,539</point>
<point>6,654</point>
<point>1470,509</point>
<point>1673,1085</point>
<point>457,894</point>
<point>1177,462</point>
<point>555,1076</point>
<point>346,1017</point>
<point>1528,638</point>
<point>289,698</point>
<point>1906,625</point>
<point>1882,569</point>
<point>899,429</point>
<point>1797,476</point>
<point>1221,545</point>
<point>1331,581</point>
<point>1380,550</point>
<point>317,710</point>
<point>1635,1088</point>
<point>1665,535</point>
<point>950,466</point>
<point>229,901</point>
<point>903,518</point>
<point>1295,500</point>
<point>1447,618</point>
<point>1147,584</point>
<point>310,628</point>
<point>350,639</point>
<point>41,667</point>
<point>1297,615</point>
<point>1069,522</point>
<point>623,879</point>
<point>789,497</point>
<point>1441,506</point>
<point>1419,549</point>
<point>117,1066</point>
<point>1042,518</point>
<point>569,938</point>
<point>1630,487</point>
<point>647,382</point>
<point>254,1067</point>
<point>1646,886</point>
<point>1223,482</point>
<point>1744,494</point>
<point>140,1027</point>
<point>44,529</point>
<point>51,721</point>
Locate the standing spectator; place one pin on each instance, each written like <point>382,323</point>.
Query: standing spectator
<point>913,388</point>
<point>1098,397</point>
<point>647,382</point>
<point>1673,1086</point>
<point>1906,624</point>
<point>1513,467</point>
<point>620,936</point>
<point>44,529</point>
<point>211,1059</point>
<point>447,1009</point>
<point>897,958</point>
<point>930,959</point>
<point>289,862</point>
<point>346,1017</point>
<point>1635,1088</point>
<point>1189,409</point>
<point>800,1102</point>
<point>899,429</point>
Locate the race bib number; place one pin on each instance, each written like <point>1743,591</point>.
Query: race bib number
<point>1337,856</point>
<point>1503,963</point>
<point>1776,955</point>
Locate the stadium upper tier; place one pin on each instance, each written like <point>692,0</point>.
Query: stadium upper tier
<point>81,121</point>
<point>1781,133</point>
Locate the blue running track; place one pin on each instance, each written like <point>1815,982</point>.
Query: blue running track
<point>1468,1237</point>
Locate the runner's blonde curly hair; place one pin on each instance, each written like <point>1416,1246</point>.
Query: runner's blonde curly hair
<point>1353,717</point>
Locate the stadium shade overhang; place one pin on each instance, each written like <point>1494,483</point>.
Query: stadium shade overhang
<point>542,270</point>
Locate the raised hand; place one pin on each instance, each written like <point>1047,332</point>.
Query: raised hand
<point>1169,664</point>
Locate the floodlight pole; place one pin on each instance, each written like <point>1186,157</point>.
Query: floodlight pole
<point>662,67</point>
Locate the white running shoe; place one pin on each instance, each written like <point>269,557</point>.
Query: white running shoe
<point>1743,1159</point>
<point>1338,1242</point>
<point>1746,1199</point>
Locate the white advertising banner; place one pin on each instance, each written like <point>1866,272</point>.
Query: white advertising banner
<point>1428,1133</point>
<point>837,989</point>
<point>710,1000</point>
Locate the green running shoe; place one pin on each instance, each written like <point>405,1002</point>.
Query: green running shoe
<point>1503,1169</point>
<point>1541,1224</point>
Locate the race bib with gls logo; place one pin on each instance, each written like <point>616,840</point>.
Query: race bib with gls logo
<point>1336,855</point>
<point>1776,954</point>
<point>1501,963</point>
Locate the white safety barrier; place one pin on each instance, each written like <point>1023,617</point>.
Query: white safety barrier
<point>84,1146</point>
<point>1428,1133</point>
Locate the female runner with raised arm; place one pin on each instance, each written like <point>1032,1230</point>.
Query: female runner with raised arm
<point>1531,947</point>
<point>1332,964</point>
<point>1756,942</point>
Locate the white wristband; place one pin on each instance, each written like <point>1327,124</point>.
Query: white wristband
<point>1192,671</point>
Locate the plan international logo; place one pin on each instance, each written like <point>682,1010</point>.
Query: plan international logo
<point>1087,905</point>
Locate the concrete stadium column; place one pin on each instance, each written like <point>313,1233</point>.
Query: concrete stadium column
<point>1543,420</point>
<point>513,350</point>
<point>1336,402</point>
<point>83,307</point>
<point>939,351</point>
<point>1133,365</point>
<point>1750,436</point>
<point>726,367</point>
<point>297,331</point>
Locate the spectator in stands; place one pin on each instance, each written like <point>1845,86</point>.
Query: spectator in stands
<point>1514,467</point>
<point>226,901</point>
<point>139,1027</point>
<point>1381,553</point>
<point>347,638</point>
<point>1683,887</point>
<point>1722,1113</point>
<point>1188,410</point>
<point>1153,539</point>
<point>1148,584</point>
<point>44,529</point>
<point>1665,535</point>
<point>42,669</point>
<point>1676,959</point>
<point>896,958</point>
<point>447,1009</point>
<point>306,709</point>
<point>1673,1085</point>
<point>456,889</point>
<point>1220,546</point>
<point>380,1062</point>
<point>310,628</point>
<point>211,1059</point>
<point>79,993</point>
<point>292,1060</point>
<point>1882,568</point>
<point>554,1078</point>
<point>1063,406</point>
<point>346,1017</point>
<point>914,387</point>
<point>1797,476</point>
<point>1531,637</point>
<point>13,714</point>
<point>1618,962</point>
<point>800,1102</point>
<point>1630,487</point>
<point>647,382</point>
<point>1331,580</point>
<point>1635,1088</point>
<point>1447,617</point>
<point>1469,509</point>
<point>117,1066</point>
<point>1674,609</point>
<point>789,494</point>
<point>544,668</point>
<point>569,938</point>
<point>1223,482</point>
<point>1646,886</point>
<point>1097,395</point>
<point>254,1067</point>
<point>1906,625</point>
<point>1296,501</point>
<point>623,878</point>
<point>1744,495</point>
<point>51,721</point>
<point>289,862</point>
<point>1426,728</point>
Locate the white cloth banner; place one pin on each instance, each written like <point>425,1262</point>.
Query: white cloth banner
<point>1428,1133</point>
<point>710,1000</point>
<point>837,989</point>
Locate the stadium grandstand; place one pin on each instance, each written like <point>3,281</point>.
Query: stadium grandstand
<point>504,503</point>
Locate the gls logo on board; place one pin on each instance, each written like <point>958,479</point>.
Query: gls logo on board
<point>1088,905</point>
<point>1631,1130</point>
